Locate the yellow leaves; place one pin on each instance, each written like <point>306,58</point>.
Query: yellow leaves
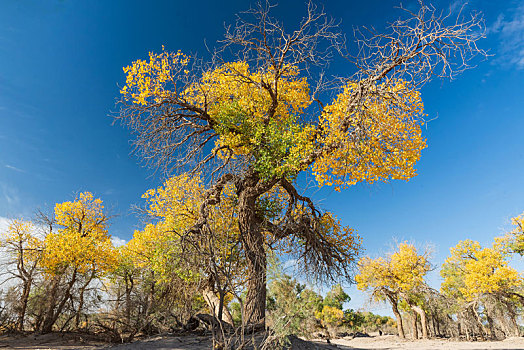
<point>150,79</point>
<point>472,271</point>
<point>382,141</point>
<point>20,241</point>
<point>344,237</point>
<point>513,241</point>
<point>239,103</point>
<point>84,215</point>
<point>402,271</point>
<point>259,114</point>
<point>82,241</point>
<point>330,316</point>
<point>174,207</point>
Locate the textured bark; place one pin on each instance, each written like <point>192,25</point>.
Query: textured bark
<point>23,300</point>
<point>81,299</point>
<point>400,326</point>
<point>482,329</point>
<point>414,325</point>
<point>214,304</point>
<point>423,320</point>
<point>53,313</point>
<point>250,229</point>
<point>129,288</point>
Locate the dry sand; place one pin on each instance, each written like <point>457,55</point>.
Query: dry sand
<point>390,342</point>
<point>70,342</point>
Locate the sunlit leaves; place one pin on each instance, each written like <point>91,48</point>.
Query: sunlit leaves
<point>472,271</point>
<point>379,141</point>
<point>259,115</point>
<point>148,81</point>
<point>513,241</point>
<point>81,241</point>
<point>165,246</point>
<point>21,243</point>
<point>400,272</point>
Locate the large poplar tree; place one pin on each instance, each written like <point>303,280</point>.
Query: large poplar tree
<point>259,113</point>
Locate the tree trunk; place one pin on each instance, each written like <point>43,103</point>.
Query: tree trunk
<point>423,320</point>
<point>52,314</point>
<point>214,305</point>
<point>23,300</point>
<point>400,326</point>
<point>50,305</point>
<point>482,329</point>
<point>414,325</point>
<point>249,224</point>
<point>129,288</point>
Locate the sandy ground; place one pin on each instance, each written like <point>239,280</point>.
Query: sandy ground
<point>70,342</point>
<point>393,342</point>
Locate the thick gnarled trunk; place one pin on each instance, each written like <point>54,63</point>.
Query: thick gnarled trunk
<point>253,241</point>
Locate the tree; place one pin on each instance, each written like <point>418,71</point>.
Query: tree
<point>24,250</point>
<point>480,279</point>
<point>514,239</point>
<point>256,123</point>
<point>292,308</point>
<point>397,278</point>
<point>79,251</point>
<point>210,257</point>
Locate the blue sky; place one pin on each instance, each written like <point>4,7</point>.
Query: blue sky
<point>61,65</point>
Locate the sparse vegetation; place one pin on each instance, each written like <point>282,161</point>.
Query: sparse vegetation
<point>234,136</point>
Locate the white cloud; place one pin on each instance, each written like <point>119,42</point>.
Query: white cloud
<point>290,264</point>
<point>117,241</point>
<point>14,168</point>
<point>509,29</point>
<point>4,224</point>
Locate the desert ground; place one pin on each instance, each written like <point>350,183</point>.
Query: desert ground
<point>70,342</point>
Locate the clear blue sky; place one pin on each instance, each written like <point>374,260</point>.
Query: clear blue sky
<point>61,64</point>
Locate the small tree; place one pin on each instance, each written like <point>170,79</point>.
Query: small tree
<point>24,252</point>
<point>79,251</point>
<point>397,278</point>
<point>480,280</point>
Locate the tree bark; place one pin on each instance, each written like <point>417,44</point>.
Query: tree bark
<point>23,300</point>
<point>250,230</point>
<point>400,326</point>
<point>129,288</point>
<point>423,320</point>
<point>81,298</point>
<point>482,329</point>
<point>214,305</point>
<point>414,325</point>
<point>52,314</point>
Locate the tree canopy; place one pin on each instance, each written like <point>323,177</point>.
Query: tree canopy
<point>254,119</point>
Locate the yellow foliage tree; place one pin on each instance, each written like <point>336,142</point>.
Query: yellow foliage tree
<point>208,260</point>
<point>256,123</point>
<point>79,251</point>
<point>23,250</point>
<point>398,277</point>
<point>513,241</point>
<point>473,275</point>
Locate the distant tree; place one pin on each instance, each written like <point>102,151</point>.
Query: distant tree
<point>292,308</point>
<point>256,122</point>
<point>24,252</point>
<point>514,239</point>
<point>210,263</point>
<point>77,252</point>
<point>397,278</point>
<point>336,297</point>
<point>480,280</point>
